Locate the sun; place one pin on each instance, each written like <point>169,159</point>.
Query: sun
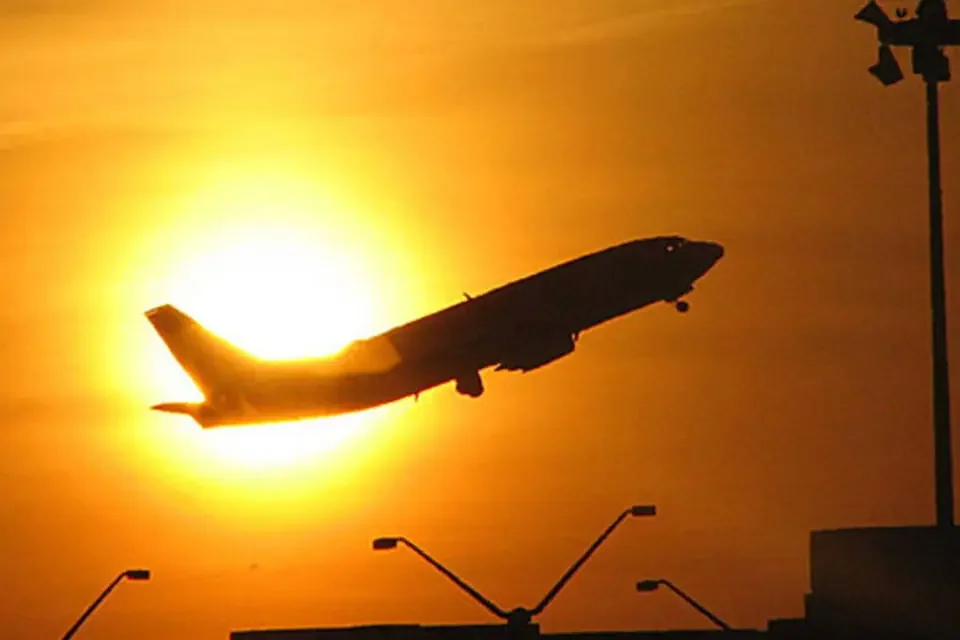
<point>278,293</point>
<point>276,290</point>
<point>262,259</point>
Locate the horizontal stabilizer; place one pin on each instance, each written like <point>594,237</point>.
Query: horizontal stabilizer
<point>188,408</point>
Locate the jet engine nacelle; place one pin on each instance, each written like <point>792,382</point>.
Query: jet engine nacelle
<point>536,353</point>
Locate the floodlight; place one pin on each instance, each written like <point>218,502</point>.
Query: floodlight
<point>887,70</point>
<point>648,585</point>
<point>137,574</point>
<point>873,13</point>
<point>382,544</point>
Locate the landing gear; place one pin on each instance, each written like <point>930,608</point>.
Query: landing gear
<point>680,305</point>
<point>470,385</point>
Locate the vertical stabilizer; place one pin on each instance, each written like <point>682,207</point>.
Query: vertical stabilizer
<point>211,362</point>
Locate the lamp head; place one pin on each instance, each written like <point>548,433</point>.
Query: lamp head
<point>137,574</point>
<point>647,585</point>
<point>643,510</point>
<point>873,14</point>
<point>886,70</point>
<point>383,544</point>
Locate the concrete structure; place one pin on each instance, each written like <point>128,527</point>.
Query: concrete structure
<point>472,632</point>
<point>398,632</point>
<point>885,580</point>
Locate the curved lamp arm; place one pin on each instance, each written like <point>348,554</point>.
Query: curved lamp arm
<point>651,585</point>
<point>636,510</point>
<point>132,574</point>
<point>390,543</point>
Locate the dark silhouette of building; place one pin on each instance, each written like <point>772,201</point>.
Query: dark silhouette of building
<point>474,632</point>
<point>885,580</point>
<point>398,632</point>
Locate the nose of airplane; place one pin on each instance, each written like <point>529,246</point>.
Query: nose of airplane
<point>714,249</point>
<point>707,255</point>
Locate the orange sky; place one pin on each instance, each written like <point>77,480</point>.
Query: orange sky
<point>426,148</point>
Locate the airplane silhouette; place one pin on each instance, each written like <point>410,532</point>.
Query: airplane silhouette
<point>521,326</point>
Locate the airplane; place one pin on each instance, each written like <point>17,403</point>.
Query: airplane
<point>520,326</point>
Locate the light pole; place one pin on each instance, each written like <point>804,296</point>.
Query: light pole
<point>382,544</point>
<point>130,574</point>
<point>520,615</point>
<point>927,35</point>
<point>645,586</point>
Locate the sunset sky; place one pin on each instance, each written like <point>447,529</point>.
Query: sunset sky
<point>297,174</point>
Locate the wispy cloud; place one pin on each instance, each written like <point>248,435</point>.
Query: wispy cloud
<point>104,64</point>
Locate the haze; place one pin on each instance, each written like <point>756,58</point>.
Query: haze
<point>301,174</point>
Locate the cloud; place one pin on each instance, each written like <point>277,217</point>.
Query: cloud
<point>175,62</point>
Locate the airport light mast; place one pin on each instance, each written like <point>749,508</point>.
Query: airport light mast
<point>927,35</point>
<point>521,615</point>
<point>130,574</point>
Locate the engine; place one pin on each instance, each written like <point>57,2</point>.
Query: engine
<point>470,385</point>
<point>533,354</point>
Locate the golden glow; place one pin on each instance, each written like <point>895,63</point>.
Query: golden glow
<point>261,257</point>
<point>283,444</point>
<point>276,291</point>
<point>268,448</point>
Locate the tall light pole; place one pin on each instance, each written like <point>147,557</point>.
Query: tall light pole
<point>927,34</point>
<point>652,585</point>
<point>130,574</point>
<point>520,615</point>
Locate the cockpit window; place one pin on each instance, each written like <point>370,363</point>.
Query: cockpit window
<point>672,244</point>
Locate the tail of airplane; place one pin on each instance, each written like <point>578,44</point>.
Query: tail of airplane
<point>211,362</point>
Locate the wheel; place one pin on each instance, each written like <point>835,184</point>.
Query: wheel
<point>683,306</point>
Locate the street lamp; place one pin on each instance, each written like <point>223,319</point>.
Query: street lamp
<point>927,35</point>
<point>520,615</point>
<point>646,586</point>
<point>129,574</point>
<point>383,544</point>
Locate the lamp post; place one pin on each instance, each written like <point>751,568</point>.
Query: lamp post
<point>130,574</point>
<point>645,586</point>
<point>927,35</point>
<point>383,544</point>
<point>520,615</point>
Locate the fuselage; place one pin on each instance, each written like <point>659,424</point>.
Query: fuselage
<point>517,327</point>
